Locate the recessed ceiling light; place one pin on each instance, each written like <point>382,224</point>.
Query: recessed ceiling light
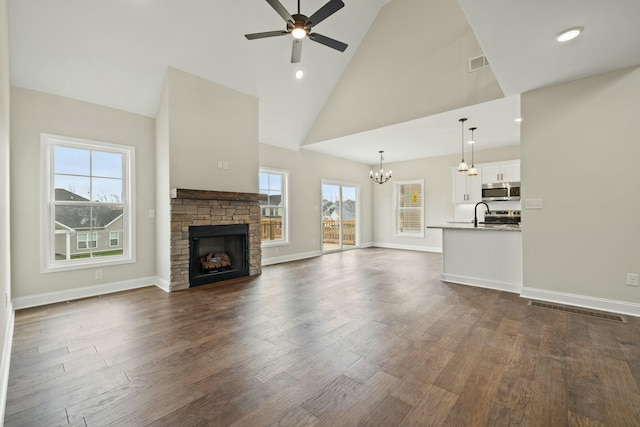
<point>299,74</point>
<point>569,34</point>
<point>518,120</point>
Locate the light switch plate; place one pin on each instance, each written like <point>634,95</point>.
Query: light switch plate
<point>533,204</point>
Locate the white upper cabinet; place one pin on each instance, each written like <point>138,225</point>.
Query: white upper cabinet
<point>501,172</point>
<point>466,189</point>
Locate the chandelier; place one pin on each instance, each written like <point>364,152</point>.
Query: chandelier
<point>383,176</point>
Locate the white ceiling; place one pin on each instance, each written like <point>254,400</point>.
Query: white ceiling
<point>115,53</point>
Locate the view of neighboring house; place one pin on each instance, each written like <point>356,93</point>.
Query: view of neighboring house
<point>330,210</point>
<point>84,229</point>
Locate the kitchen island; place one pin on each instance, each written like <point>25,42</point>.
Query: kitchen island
<point>487,256</point>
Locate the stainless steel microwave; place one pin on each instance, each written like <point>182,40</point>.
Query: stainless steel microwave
<point>501,191</point>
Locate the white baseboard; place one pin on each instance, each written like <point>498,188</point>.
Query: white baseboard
<point>6,360</point>
<point>84,292</point>
<point>288,258</point>
<point>602,304</point>
<point>479,283</point>
<point>407,247</point>
<point>163,284</point>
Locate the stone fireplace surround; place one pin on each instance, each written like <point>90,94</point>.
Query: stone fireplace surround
<point>203,207</point>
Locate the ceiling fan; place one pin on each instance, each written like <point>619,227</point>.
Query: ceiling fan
<point>299,26</point>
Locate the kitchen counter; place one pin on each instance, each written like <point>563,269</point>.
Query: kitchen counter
<point>481,227</point>
<point>489,256</point>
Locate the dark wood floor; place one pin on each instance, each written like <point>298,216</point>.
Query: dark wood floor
<point>362,338</point>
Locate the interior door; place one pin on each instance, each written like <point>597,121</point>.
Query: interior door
<point>339,216</point>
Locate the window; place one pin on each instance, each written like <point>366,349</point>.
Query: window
<point>273,210</point>
<point>409,208</point>
<point>114,238</point>
<point>85,243</point>
<point>87,203</point>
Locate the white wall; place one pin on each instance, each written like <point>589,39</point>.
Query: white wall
<point>580,153</point>
<point>208,123</point>
<point>6,314</point>
<point>307,169</point>
<point>35,112</point>
<point>163,188</point>
<point>439,207</point>
<point>406,72</point>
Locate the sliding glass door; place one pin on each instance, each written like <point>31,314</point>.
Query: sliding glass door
<point>339,216</point>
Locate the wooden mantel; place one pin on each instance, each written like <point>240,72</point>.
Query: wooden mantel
<point>181,193</point>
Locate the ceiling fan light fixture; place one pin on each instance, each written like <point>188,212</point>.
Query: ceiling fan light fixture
<point>569,34</point>
<point>298,33</point>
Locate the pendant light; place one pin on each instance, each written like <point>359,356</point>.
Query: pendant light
<point>472,171</point>
<point>462,167</point>
<point>383,177</point>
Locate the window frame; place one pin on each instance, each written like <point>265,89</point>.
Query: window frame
<point>117,239</point>
<point>94,242</point>
<point>396,208</point>
<point>48,263</point>
<point>284,174</point>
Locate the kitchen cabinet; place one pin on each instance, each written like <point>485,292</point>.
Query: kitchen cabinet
<point>501,172</point>
<point>466,189</point>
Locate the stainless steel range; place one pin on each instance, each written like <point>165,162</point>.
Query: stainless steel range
<point>502,217</point>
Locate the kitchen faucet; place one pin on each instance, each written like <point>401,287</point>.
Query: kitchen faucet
<point>475,213</point>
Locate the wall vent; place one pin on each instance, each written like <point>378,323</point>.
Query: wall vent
<point>590,313</point>
<point>478,63</point>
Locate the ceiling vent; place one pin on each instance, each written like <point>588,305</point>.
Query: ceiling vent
<point>478,63</point>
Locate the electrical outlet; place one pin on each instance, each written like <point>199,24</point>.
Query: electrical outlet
<point>632,279</point>
<point>98,274</point>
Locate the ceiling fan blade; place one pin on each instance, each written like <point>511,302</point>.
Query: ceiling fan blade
<point>296,51</point>
<point>266,34</point>
<point>327,41</point>
<point>325,11</point>
<point>281,10</point>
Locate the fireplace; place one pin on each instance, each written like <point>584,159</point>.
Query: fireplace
<point>192,209</point>
<point>217,253</point>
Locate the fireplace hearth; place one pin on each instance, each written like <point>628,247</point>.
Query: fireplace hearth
<point>217,253</point>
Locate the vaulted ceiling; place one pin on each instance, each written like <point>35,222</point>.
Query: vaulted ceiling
<point>384,89</point>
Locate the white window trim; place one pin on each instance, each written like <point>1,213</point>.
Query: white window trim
<point>285,204</point>
<point>396,184</point>
<point>47,214</point>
